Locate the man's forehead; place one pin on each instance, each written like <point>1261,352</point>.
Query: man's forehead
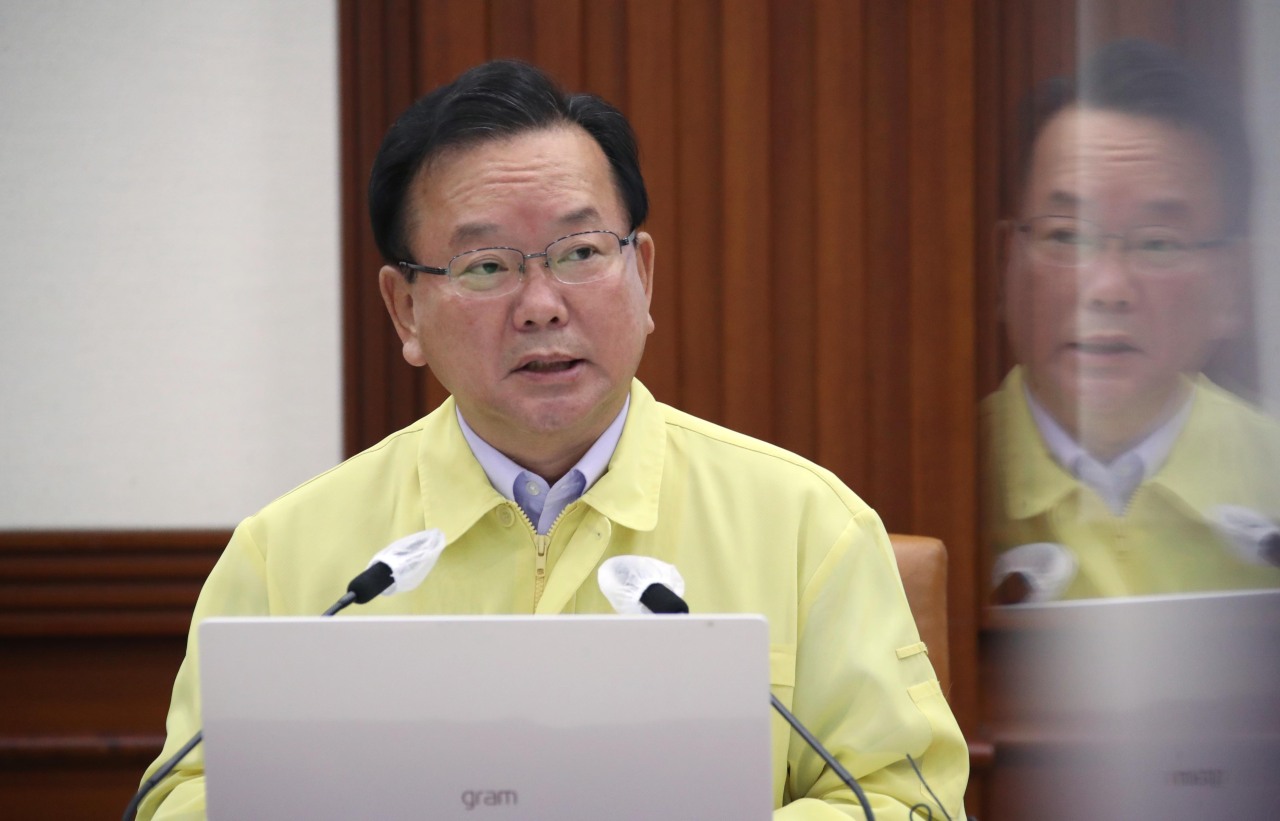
<point>558,178</point>
<point>1157,209</point>
<point>1085,158</point>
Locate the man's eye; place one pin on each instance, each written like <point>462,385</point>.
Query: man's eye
<point>483,268</point>
<point>579,253</point>
<point>1065,236</point>
<point>1160,245</point>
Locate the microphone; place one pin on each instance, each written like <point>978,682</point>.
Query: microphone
<point>400,566</point>
<point>397,568</point>
<point>627,581</point>
<point>635,585</point>
<point>1255,537</point>
<point>1032,573</point>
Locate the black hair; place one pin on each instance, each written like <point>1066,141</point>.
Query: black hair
<point>497,99</point>
<point>1145,79</point>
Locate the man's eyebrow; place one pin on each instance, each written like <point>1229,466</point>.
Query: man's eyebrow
<point>470,232</point>
<point>1168,210</point>
<point>584,214</point>
<point>1063,199</point>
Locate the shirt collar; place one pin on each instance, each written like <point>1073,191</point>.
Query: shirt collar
<point>1151,451</point>
<point>503,472</point>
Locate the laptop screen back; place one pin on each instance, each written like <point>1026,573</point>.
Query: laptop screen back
<point>501,717</point>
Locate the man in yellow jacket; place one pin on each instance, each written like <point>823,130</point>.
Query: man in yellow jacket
<point>1116,469</point>
<point>509,216</point>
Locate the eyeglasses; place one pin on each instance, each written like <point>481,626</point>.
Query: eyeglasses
<point>1074,243</point>
<point>491,272</point>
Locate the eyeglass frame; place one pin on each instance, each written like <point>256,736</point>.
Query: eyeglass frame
<point>408,269</point>
<point>1024,229</point>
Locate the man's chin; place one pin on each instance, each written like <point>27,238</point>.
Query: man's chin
<point>1101,402</point>
<point>550,416</point>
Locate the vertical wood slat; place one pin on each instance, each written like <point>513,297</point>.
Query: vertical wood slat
<point>841,309</point>
<point>651,108</point>
<point>406,387</point>
<point>558,46</point>
<point>747,206</point>
<point>890,325</point>
<point>694,265</point>
<point>510,32</point>
<point>450,39</point>
<point>791,263</point>
<point>606,51</point>
<point>374,379</point>
<point>943,200</point>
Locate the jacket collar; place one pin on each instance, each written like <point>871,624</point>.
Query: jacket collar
<point>1033,482</point>
<point>627,494</point>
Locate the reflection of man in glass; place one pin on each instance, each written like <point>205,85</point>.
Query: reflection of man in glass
<point>1119,469</point>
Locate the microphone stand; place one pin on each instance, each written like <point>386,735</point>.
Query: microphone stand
<point>831,761</point>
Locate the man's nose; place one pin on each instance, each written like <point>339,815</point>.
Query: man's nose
<point>540,297</point>
<point>1107,282</point>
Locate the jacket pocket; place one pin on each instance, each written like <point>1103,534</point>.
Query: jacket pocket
<point>782,666</point>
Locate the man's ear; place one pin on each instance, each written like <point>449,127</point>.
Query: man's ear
<point>1231,296</point>
<point>644,267</point>
<point>398,296</point>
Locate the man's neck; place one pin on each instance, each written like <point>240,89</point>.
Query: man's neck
<point>550,456</point>
<point>1106,436</point>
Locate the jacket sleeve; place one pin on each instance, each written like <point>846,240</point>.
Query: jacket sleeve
<point>864,687</point>
<point>236,587</point>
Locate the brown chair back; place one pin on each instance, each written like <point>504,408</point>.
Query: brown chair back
<point>922,563</point>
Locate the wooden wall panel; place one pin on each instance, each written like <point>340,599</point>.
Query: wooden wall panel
<point>92,629</point>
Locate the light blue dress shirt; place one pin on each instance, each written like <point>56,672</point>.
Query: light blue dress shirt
<point>1114,481</point>
<point>540,501</point>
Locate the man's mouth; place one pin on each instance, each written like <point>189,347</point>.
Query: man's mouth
<point>1102,347</point>
<point>548,366</point>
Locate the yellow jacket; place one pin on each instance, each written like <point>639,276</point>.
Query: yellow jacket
<point>751,527</point>
<point>1165,542</point>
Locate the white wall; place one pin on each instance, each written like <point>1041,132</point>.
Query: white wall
<point>1262,90</point>
<point>169,247</point>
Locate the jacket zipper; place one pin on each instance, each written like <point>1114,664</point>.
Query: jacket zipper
<point>541,547</point>
<point>541,544</point>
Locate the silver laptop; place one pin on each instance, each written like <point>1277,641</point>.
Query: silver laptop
<point>501,717</point>
<point>1159,707</point>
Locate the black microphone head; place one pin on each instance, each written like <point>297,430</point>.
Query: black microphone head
<point>1015,589</point>
<point>1269,549</point>
<point>370,584</point>
<point>662,599</point>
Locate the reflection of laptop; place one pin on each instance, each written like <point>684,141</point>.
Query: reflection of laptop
<point>499,717</point>
<point>1171,704</point>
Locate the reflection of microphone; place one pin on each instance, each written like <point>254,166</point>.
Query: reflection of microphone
<point>397,568</point>
<point>1032,573</point>
<point>643,584</point>
<point>1255,538</point>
